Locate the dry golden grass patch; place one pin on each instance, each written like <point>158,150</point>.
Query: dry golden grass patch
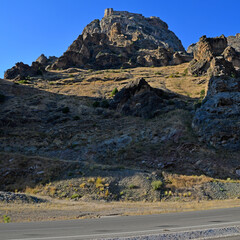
<point>175,181</point>
<point>101,83</point>
<point>66,210</point>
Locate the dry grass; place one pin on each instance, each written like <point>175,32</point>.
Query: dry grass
<point>175,181</point>
<point>101,83</point>
<point>63,210</point>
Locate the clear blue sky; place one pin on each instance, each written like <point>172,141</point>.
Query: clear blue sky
<point>31,27</point>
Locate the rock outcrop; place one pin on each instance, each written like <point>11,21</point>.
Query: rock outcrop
<point>212,56</point>
<point>46,61</point>
<point>139,99</point>
<point>123,39</point>
<point>217,120</point>
<point>234,42</point>
<point>22,71</point>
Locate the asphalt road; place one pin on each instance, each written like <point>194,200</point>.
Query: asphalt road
<point>109,227</point>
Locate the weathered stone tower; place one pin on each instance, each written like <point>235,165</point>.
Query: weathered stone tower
<point>108,12</point>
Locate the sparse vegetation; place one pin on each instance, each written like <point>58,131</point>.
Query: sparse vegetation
<point>185,72</point>
<point>132,186</point>
<point>156,185</point>
<point>114,92</point>
<point>23,81</point>
<point>75,196</point>
<point>6,219</point>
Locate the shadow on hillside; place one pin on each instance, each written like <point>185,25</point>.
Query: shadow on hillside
<point>47,136</point>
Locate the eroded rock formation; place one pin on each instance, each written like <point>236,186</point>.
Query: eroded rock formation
<point>214,57</point>
<point>22,71</point>
<point>217,120</point>
<point>138,98</point>
<point>123,39</point>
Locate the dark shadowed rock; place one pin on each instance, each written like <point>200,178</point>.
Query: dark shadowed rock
<point>217,120</point>
<point>21,70</point>
<point>138,98</point>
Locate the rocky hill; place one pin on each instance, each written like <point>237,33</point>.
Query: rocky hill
<point>119,40</point>
<point>123,39</point>
<point>126,133</point>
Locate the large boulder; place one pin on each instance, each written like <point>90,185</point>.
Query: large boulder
<point>123,39</point>
<point>138,98</point>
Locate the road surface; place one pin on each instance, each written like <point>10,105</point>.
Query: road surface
<point>113,227</point>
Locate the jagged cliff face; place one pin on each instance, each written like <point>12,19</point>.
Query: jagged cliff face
<point>214,57</point>
<point>123,28</point>
<point>232,41</point>
<point>217,120</point>
<point>123,39</point>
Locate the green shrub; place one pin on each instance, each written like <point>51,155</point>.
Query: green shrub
<point>6,219</point>
<point>185,72</point>
<point>114,92</point>
<point>132,186</point>
<point>23,81</point>
<point>202,94</point>
<point>173,76</point>
<point>75,195</point>
<point>156,185</point>
<point>71,76</point>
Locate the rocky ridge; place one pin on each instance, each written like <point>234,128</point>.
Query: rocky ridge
<point>123,39</point>
<point>233,41</point>
<point>22,71</point>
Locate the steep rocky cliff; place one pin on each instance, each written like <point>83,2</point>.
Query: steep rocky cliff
<point>123,39</point>
<point>217,120</point>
